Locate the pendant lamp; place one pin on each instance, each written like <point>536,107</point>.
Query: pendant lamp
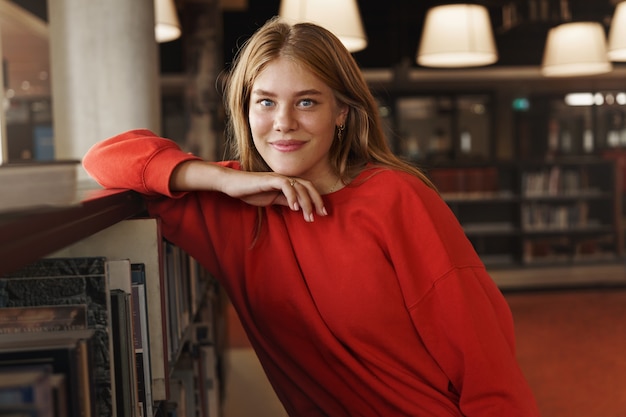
<point>576,49</point>
<point>167,25</point>
<point>457,35</point>
<point>341,17</point>
<point>617,34</point>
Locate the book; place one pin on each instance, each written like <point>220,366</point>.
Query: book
<point>141,339</point>
<point>124,354</point>
<point>31,185</point>
<point>43,318</point>
<point>209,382</point>
<point>177,402</point>
<point>177,308</point>
<point>58,384</point>
<point>72,280</point>
<point>185,395</point>
<point>27,410</point>
<point>119,273</point>
<point>68,353</point>
<point>26,387</point>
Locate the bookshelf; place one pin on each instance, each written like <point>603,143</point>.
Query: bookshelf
<point>485,199</point>
<point>105,235</point>
<point>561,212</point>
<point>571,212</point>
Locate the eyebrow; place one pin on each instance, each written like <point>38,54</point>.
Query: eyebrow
<point>311,92</point>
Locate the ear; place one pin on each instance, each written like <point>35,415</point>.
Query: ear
<point>342,115</point>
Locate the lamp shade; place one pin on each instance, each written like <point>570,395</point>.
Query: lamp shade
<point>457,35</point>
<point>341,17</point>
<point>167,25</point>
<point>576,49</point>
<point>617,34</point>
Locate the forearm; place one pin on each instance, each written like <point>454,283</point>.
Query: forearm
<point>255,188</point>
<point>198,175</point>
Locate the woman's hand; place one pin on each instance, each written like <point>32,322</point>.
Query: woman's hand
<point>255,188</point>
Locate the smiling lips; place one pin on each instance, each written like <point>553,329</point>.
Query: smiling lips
<point>288,145</point>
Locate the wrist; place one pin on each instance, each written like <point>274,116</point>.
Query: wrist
<point>195,174</point>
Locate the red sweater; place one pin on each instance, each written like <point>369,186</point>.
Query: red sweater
<point>381,308</point>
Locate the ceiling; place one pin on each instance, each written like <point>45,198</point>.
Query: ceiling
<point>393,28</point>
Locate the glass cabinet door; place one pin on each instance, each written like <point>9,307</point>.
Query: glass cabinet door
<point>424,127</point>
<point>474,127</point>
<point>572,124</point>
<point>440,129</point>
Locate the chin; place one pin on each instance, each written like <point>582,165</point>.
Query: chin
<point>286,170</point>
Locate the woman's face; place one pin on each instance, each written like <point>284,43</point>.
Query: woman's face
<point>293,115</point>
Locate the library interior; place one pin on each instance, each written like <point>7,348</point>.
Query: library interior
<point>524,138</point>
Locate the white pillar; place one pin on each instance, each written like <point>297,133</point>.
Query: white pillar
<point>104,71</point>
<point>4,144</point>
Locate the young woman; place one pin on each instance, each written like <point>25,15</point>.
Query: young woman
<point>354,281</point>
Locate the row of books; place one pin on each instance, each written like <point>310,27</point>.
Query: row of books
<point>143,302</point>
<point>188,287</point>
<point>479,180</point>
<point>539,217</point>
<point>555,181</point>
<point>566,249</point>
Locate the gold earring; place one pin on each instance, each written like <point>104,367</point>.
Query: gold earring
<point>340,129</point>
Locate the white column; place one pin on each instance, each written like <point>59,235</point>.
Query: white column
<point>4,145</point>
<point>104,71</point>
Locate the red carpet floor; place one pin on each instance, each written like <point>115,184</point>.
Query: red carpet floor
<point>572,348</point>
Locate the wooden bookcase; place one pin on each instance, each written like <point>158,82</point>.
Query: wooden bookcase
<point>532,214</point>
<point>184,309</point>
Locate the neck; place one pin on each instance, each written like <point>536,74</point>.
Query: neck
<point>336,186</point>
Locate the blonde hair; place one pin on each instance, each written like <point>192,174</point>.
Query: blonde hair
<point>362,141</point>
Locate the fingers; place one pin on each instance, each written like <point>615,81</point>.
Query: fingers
<point>302,195</point>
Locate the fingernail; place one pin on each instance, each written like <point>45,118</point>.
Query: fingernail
<point>324,212</point>
<point>296,207</point>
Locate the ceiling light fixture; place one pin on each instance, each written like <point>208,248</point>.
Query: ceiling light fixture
<point>457,35</point>
<point>584,99</point>
<point>167,25</point>
<point>341,17</point>
<point>576,49</point>
<point>617,34</point>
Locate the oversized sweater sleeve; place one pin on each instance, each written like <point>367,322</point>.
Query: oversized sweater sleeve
<point>457,309</point>
<point>136,160</point>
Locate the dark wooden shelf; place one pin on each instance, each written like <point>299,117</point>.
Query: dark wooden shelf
<point>28,235</point>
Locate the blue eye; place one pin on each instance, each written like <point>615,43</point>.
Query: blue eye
<point>306,102</point>
<point>266,102</point>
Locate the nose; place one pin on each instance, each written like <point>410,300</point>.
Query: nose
<point>284,119</point>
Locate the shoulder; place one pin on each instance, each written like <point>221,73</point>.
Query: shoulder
<point>393,196</point>
<point>412,219</point>
<point>394,186</point>
<point>402,199</point>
